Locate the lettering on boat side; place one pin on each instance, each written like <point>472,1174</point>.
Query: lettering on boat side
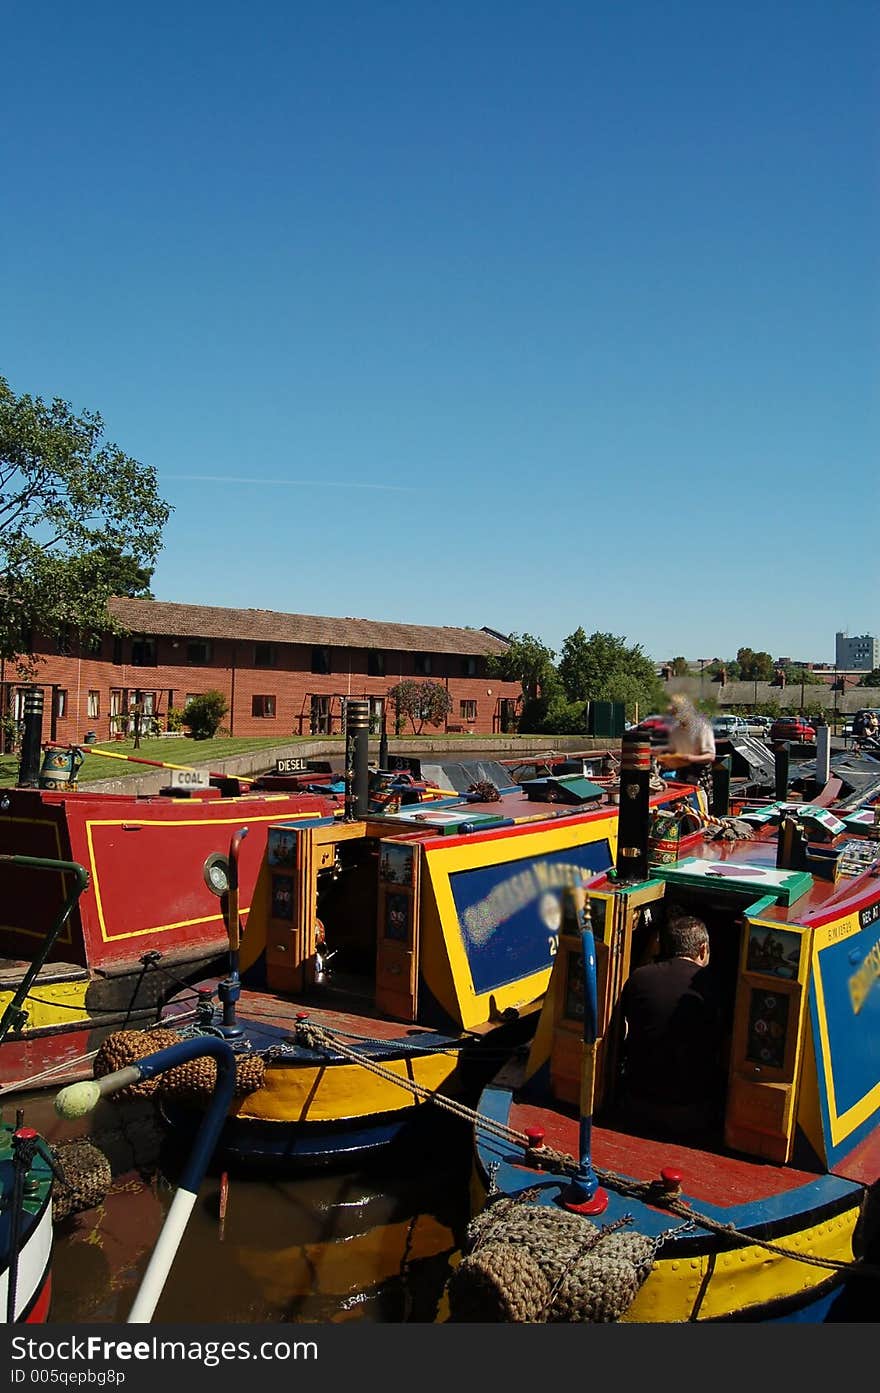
<point>863,979</point>
<point>869,915</point>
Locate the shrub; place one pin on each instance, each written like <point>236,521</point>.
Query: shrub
<point>204,713</point>
<point>175,718</point>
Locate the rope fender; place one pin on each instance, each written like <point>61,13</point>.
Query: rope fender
<point>529,1263</point>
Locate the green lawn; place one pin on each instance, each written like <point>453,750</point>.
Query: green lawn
<point>168,751</point>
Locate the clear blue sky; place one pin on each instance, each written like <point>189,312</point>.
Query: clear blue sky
<point>532,315</point>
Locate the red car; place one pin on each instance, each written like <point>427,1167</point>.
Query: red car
<point>792,728</point>
<point>655,728</point>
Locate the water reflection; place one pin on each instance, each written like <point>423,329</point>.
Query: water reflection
<point>366,1245</point>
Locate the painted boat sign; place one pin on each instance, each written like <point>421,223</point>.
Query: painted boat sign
<point>294,764</point>
<point>190,778</point>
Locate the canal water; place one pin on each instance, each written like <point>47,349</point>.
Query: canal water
<point>369,1245</point>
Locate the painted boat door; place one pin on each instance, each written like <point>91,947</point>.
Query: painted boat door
<point>397,929</point>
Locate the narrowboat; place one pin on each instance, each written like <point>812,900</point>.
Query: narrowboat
<point>104,910</point>
<point>395,952</point>
<point>26,1176</point>
<point>770,1211</point>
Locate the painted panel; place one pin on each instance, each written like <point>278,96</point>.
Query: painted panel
<point>509,915</point>
<point>848,980</point>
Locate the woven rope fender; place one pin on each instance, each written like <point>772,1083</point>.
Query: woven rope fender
<point>87,1178</point>
<point>192,1082</point>
<point>527,1262</point>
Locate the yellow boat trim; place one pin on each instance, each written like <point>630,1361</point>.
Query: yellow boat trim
<point>742,1278</point>
<point>44,1013</point>
<point>337,1092</point>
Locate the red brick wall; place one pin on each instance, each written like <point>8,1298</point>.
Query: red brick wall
<point>231,670</point>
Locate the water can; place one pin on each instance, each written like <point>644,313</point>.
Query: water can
<point>60,768</point>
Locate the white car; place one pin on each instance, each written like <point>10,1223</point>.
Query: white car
<point>724,727</point>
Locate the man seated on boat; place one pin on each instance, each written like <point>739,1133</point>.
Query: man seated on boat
<point>672,1078</point>
<point>690,746</point>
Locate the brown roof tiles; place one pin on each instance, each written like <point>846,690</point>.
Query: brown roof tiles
<point>268,626</point>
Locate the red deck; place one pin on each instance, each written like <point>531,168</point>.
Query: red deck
<point>709,1176</point>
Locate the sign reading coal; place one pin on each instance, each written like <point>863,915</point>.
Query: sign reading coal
<point>190,778</point>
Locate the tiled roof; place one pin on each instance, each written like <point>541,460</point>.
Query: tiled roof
<point>268,626</point>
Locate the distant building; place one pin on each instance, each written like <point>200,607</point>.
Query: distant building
<point>280,673</point>
<point>860,654</point>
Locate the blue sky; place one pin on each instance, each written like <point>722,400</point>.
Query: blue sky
<point>531,315</point>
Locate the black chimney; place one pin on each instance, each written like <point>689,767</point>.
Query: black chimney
<point>357,756</point>
<point>32,739</point>
<point>634,817</point>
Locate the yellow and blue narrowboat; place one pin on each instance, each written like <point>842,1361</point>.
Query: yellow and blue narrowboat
<point>772,1213</point>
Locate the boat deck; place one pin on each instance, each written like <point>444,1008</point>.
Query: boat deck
<point>712,1177</point>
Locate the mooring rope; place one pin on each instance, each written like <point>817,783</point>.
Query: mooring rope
<point>317,1037</point>
<point>651,1192</point>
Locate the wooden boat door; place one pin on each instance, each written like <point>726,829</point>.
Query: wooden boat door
<point>397,929</point>
<point>628,939</point>
<point>768,1036</point>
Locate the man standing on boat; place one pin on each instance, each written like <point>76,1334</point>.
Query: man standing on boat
<point>673,1034</point>
<point>690,746</point>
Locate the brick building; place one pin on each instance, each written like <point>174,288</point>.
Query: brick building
<point>280,673</point>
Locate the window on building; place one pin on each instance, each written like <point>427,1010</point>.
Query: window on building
<point>467,710</point>
<point>93,710</point>
<point>469,667</point>
<point>321,660</point>
<point>63,641</point>
<point>265,655</point>
<point>263,706</point>
<point>143,651</point>
<point>117,649</point>
<point>93,645</point>
<point>199,651</point>
<point>60,701</point>
<point>423,664</point>
<point>375,663</point>
<point>319,715</point>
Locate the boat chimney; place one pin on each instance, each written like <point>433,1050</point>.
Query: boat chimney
<point>634,816</point>
<point>357,768</point>
<point>32,739</point>
<point>781,754</point>
<point>823,755</point>
<point>383,743</point>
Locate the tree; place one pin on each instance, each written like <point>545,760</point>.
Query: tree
<point>754,667</point>
<point>870,679</point>
<point>204,713</point>
<point>77,516</point>
<point>530,662</point>
<point>604,668</point>
<point>680,667</point>
<point>422,703</point>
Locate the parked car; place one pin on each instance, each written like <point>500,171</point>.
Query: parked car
<point>792,728</point>
<point>655,728</point>
<point>724,727</point>
<point>760,724</point>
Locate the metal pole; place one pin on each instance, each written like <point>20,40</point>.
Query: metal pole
<point>78,1099</point>
<point>584,1195</point>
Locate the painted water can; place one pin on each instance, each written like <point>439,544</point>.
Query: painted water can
<point>60,767</point>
